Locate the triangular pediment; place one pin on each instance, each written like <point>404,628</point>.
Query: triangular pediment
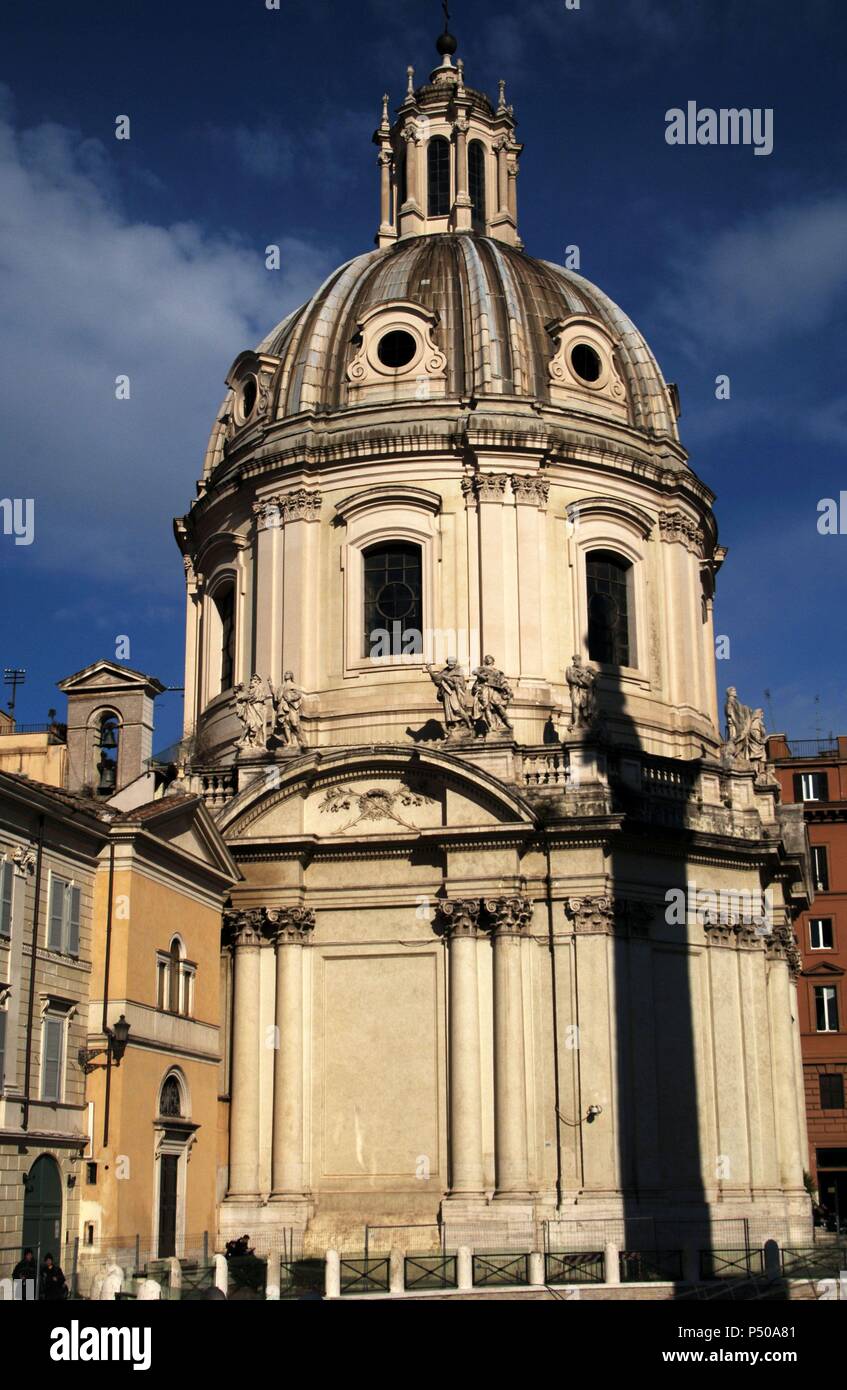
<point>183,824</point>
<point>106,675</point>
<point>824,968</point>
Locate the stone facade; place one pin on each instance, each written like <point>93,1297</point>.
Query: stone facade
<point>456,990</point>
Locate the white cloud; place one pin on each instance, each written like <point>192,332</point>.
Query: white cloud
<point>86,294</point>
<point>780,272</point>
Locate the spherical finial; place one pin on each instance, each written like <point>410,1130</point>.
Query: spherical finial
<point>446,43</point>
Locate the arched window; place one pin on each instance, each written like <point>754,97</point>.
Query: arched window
<point>438,176</point>
<point>175,980</point>
<point>225,604</point>
<point>170,1098</point>
<point>476,184</point>
<point>392,599</point>
<point>108,738</point>
<point>402,179</point>
<point>609,579</point>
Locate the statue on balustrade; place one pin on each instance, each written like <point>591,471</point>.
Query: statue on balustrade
<point>746,734</point>
<point>251,708</point>
<point>287,702</point>
<point>491,694</point>
<point>582,683</point>
<point>456,703</point>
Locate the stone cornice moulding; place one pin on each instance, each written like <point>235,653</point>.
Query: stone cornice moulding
<point>625,512</point>
<point>381,495</point>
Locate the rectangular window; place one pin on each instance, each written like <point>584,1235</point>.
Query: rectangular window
<point>64,916</point>
<point>820,933</point>
<point>7,871</point>
<point>3,1017</point>
<point>826,1009</point>
<point>810,786</point>
<point>161,983</point>
<point>832,1091</point>
<point>820,869</point>
<point>52,1058</point>
<point>91,1174</point>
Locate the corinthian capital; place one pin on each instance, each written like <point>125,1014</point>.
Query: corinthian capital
<point>245,926</point>
<point>458,918</point>
<point>507,916</point>
<point>290,926</point>
<point>301,505</point>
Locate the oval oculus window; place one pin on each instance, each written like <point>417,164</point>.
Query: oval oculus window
<point>396,349</point>
<point>586,362</point>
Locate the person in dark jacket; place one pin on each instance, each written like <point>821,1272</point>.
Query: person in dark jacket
<point>26,1274</point>
<point>53,1285</point>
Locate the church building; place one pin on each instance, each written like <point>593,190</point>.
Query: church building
<point>512,938</point>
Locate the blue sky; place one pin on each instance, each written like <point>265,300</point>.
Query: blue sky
<point>250,126</point>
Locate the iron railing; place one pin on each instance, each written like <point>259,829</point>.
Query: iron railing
<point>360,1274</point>
<point>575,1268</point>
<point>491,1271</point>
<point>430,1272</point>
<point>651,1266</point>
<point>730,1264</point>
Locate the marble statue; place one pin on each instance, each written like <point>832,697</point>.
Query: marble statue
<point>287,701</point>
<point>745,731</point>
<point>491,697</point>
<point>581,685</point>
<point>453,693</point>
<point>250,703</point>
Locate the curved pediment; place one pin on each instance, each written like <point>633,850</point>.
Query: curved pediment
<point>386,791</point>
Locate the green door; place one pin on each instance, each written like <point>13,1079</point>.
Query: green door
<point>43,1209</point>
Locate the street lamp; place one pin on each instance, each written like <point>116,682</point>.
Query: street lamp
<point>116,1041</point>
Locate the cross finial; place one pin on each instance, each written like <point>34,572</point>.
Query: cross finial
<point>446,10</point>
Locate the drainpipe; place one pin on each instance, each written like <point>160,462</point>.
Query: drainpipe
<point>551,939</point>
<point>110,896</point>
<point>31,1004</point>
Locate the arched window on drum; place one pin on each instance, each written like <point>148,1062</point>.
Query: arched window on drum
<point>610,606</point>
<point>393,612</point>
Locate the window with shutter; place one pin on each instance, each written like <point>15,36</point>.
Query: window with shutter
<point>75,898</point>
<point>55,930</point>
<point>6,879</point>
<point>51,1065</point>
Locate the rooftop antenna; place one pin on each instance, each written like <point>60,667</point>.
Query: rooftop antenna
<point>771,720</point>
<point>818,718</point>
<point>13,676</point>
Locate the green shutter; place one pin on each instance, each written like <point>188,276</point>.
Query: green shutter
<point>6,873</point>
<point>2,1049</point>
<point>73,922</point>
<point>51,1070</point>
<point>55,934</point>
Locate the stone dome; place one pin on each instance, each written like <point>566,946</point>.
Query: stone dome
<point>493,312</point>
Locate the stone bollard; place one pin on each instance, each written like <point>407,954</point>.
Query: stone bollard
<point>464,1268</point>
<point>148,1290</point>
<point>272,1277</point>
<point>772,1259</point>
<point>332,1284</point>
<point>536,1268</point>
<point>221,1274</point>
<point>174,1276</point>
<point>691,1264</point>
<point>396,1272</point>
<point>612,1263</point>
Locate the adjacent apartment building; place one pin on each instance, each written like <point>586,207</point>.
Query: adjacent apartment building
<point>50,843</point>
<point>814,772</point>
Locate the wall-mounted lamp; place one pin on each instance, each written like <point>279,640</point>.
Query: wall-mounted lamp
<point>593,1112</point>
<point>116,1041</point>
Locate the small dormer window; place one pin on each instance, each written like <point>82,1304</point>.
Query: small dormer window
<point>247,399</point>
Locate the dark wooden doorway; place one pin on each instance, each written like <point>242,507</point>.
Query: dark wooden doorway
<point>168,1175</point>
<point>42,1226</point>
